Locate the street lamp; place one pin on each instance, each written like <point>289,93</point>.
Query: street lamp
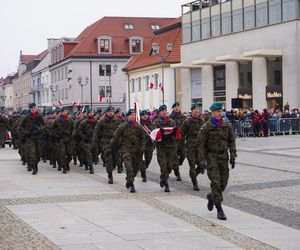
<point>163,57</point>
<point>115,68</point>
<point>82,83</point>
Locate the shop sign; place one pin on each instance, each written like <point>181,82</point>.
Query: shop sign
<point>274,94</point>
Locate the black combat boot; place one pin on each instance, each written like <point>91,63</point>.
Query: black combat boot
<point>195,184</point>
<point>86,167</point>
<point>120,168</point>
<point>110,178</point>
<point>91,169</point>
<point>162,183</point>
<point>200,169</point>
<point>44,159</point>
<point>29,167</point>
<point>80,164</point>
<point>210,203</point>
<point>3,145</point>
<point>143,175</point>
<point>59,167</point>
<point>132,189</point>
<point>220,212</point>
<point>127,184</point>
<point>51,162</point>
<point>64,169</point>
<point>34,169</point>
<point>23,163</point>
<point>68,167</point>
<point>97,161</point>
<point>167,189</point>
<point>54,164</point>
<point>177,174</point>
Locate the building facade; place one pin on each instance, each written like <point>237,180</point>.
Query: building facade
<point>88,69</point>
<point>241,49</point>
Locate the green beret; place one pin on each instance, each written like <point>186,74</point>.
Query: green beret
<point>194,106</point>
<point>129,112</point>
<point>162,107</point>
<point>31,105</point>
<point>63,109</point>
<point>143,112</point>
<point>57,110</point>
<point>109,108</point>
<point>175,104</point>
<point>216,106</point>
<point>117,110</point>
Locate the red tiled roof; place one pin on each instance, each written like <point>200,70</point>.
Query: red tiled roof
<point>25,59</point>
<point>146,59</point>
<point>114,27</point>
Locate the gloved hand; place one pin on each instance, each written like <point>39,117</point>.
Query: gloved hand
<point>232,163</point>
<point>201,168</point>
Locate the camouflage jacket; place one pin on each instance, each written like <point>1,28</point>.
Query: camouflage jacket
<point>148,126</point>
<point>4,124</point>
<point>30,127</point>
<point>190,130</point>
<point>216,140</point>
<point>167,140</point>
<point>131,138</point>
<point>178,119</point>
<point>86,129</point>
<point>63,129</point>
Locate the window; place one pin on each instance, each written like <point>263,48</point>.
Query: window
<point>274,11</point>
<point>196,30</point>
<point>132,85</point>
<point>205,28</point>
<point>155,27</point>
<point>105,71</point>
<point>261,14</point>
<point>249,18</point>
<point>108,91</point>
<point>245,80</point>
<point>105,45</point>
<point>66,73</point>
<point>102,91</point>
<point>62,94</point>
<point>226,23</point>
<point>215,25</point>
<point>156,81</point>
<point>136,46</point>
<point>274,71</point>
<point>289,10</point>
<point>237,18</point>
<point>147,83</point>
<point>101,70</point>
<point>139,84</point>
<point>186,33</point>
<point>128,26</point>
<point>66,93</point>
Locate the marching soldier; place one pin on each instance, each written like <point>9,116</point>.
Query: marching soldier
<point>63,130</point>
<point>215,140</point>
<point>119,114</point>
<point>149,147</point>
<point>30,130</point>
<point>131,136</point>
<point>166,147</point>
<point>104,131</point>
<point>4,125</point>
<point>85,132</point>
<point>179,119</point>
<point>189,133</point>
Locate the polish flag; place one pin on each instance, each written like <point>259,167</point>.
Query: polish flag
<point>107,99</point>
<point>60,102</point>
<point>151,85</point>
<point>100,98</point>
<point>73,104</point>
<point>161,86</point>
<point>78,103</point>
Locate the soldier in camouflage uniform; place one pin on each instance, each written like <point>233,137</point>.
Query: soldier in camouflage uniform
<point>119,114</point>
<point>85,131</point>
<point>4,126</point>
<point>132,137</point>
<point>215,139</point>
<point>189,134</point>
<point>78,151</point>
<point>30,130</point>
<point>179,119</point>
<point>104,131</point>
<point>18,137</point>
<point>62,129</point>
<point>166,148</point>
<point>52,141</point>
<point>12,124</point>
<point>149,147</point>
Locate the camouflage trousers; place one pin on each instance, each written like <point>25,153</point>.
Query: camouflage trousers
<point>64,152</point>
<point>193,158</point>
<point>31,150</point>
<point>109,157</point>
<point>148,157</point>
<point>181,153</point>
<point>2,136</point>
<point>133,162</point>
<point>88,154</point>
<point>167,160</point>
<point>218,174</point>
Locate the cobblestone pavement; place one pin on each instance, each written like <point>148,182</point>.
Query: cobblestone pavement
<point>263,191</point>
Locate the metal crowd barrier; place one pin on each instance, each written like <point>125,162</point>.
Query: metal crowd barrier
<point>275,126</point>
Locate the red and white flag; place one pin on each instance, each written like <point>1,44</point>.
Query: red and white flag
<point>73,104</point>
<point>107,100</point>
<point>151,85</point>
<point>60,102</point>
<point>100,98</point>
<point>78,103</point>
<point>136,110</point>
<point>161,86</point>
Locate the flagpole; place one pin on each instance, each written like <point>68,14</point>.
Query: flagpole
<point>163,81</point>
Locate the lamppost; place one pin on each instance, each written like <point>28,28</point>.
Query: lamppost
<point>115,68</point>
<point>81,83</point>
<point>163,57</point>
<point>53,91</point>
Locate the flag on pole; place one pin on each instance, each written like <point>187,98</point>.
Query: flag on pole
<point>78,103</point>
<point>151,85</point>
<point>161,86</point>
<point>136,110</point>
<point>100,98</point>
<point>73,104</point>
<point>60,102</point>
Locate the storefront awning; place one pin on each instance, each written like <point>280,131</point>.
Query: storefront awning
<point>184,66</point>
<point>264,53</point>
<point>210,62</point>
<point>231,58</point>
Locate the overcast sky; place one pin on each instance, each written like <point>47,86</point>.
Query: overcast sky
<point>26,24</point>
